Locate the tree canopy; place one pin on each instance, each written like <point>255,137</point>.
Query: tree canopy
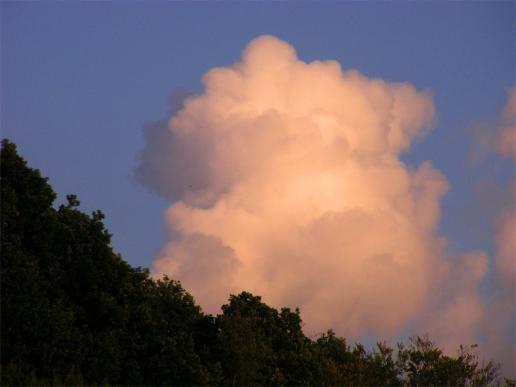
<point>74,312</point>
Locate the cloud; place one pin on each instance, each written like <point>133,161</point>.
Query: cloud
<point>162,150</point>
<point>498,137</point>
<point>494,210</point>
<point>455,314</point>
<point>501,318</point>
<point>285,179</point>
<point>505,140</point>
<point>205,261</point>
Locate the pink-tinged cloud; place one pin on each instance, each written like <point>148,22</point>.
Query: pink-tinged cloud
<point>505,142</point>
<point>286,180</point>
<point>501,318</point>
<point>497,137</point>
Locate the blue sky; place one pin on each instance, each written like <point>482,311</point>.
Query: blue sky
<point>80,79</point>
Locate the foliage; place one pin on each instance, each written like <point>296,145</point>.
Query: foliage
<point>424,364</point>
<point>74,313</point>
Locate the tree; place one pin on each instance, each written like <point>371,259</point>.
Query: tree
<point>33,325</point>
<point>424,364</point>
<point>72,310</point>
<point>259,345</point>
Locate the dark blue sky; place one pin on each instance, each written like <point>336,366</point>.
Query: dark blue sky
<point>80,79</point>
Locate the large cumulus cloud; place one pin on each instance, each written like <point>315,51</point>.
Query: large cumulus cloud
<point>285,179</point>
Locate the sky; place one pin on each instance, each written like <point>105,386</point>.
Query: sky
<point>420,93</point>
